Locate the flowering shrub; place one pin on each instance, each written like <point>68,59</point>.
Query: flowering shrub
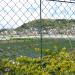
<point>56,63</point>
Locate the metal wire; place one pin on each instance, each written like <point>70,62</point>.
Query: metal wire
<point>62,1</point>
<point>34,19</point>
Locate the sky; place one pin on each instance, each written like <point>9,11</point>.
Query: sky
<point>13,13</point>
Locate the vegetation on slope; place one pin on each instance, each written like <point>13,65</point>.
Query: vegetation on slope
<point>52,23</point>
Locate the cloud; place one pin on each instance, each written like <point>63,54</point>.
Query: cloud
<point>14,13</point>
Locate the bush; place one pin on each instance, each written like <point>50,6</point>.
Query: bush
<point>55,63</point>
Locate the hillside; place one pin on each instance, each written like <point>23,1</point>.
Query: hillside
<point>48,23</point>
<point>49,26</point>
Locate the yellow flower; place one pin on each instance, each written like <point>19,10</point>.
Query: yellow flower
<point>37,49</point>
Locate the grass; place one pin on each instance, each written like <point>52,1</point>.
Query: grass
<point>17,47</point>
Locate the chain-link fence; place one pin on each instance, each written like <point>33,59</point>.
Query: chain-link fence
<point>37,37</point>
<point>28,27</point>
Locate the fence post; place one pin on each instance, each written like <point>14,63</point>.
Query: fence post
<point>41,29</point>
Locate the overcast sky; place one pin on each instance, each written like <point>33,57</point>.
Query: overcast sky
<point>14,13</point>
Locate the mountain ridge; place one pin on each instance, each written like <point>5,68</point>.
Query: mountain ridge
<point>52,23</point>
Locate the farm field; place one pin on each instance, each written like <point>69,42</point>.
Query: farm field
<point>31,47</point>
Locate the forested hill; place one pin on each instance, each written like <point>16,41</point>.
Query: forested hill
<point>48,23</point>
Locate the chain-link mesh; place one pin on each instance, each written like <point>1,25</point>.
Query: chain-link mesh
<point>37,37</point>
<point>59,20</point>
<point>18,28</point>
<point>28,25</point>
